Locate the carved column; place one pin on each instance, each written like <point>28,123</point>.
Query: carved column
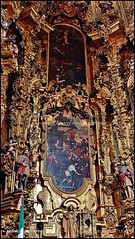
<point>105,141</point>
<point>100,171</point>
<point>34,131</point>
<point>120,123</point>
<point>4,84</point>
<point>6,60</point>
<point>108,178</point>
<point>117,100</point>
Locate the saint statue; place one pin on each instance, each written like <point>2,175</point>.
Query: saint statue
<point>69,223</point>
<point>125,176</point>
<point>22,166</point>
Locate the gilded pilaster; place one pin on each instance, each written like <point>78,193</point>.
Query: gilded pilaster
<point>118,101</point>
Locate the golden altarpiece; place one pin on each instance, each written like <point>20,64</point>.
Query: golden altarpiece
<point>67,96</point>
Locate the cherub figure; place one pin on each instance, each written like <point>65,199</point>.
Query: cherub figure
<point>11,147</point>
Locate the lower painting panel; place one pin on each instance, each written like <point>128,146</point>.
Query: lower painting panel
<point>68,151</point>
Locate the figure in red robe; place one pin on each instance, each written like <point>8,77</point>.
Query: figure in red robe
<point>22,165</point>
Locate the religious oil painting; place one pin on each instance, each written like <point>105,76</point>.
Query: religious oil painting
<point>66,57</point>
<point>67,151</point>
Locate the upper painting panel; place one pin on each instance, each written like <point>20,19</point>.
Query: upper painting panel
<point>66,56</point>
